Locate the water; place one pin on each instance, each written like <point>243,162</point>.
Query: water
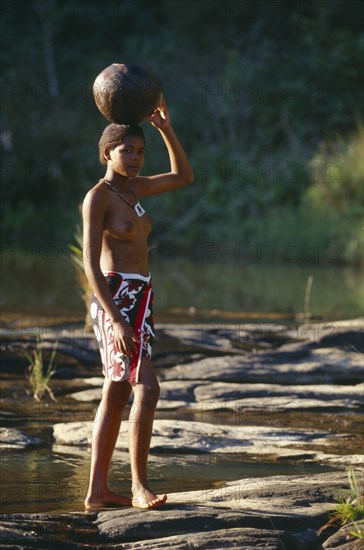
<point>46,481</point>
<point>186,290</point>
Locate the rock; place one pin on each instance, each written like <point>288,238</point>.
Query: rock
<point>274,397</point>
<point>223,391</point>
<point>273,513</point>
<point>321,366</point>
<point>345,460</point>
<point>180,389</point>
<point>245,407</point>
<point>348,340</point>
<point>344,539</point>
<point>215,397</point>
<point>207,527</point>
<point>96,381</point>
<point>91,396</point>
<point>47,531</point>
<point>177,394</point>
<point>224,337</point>
<point>223,538</point>
<point>15,439</point>
<point>165,405</point>
<point>174,393</point>
<point>237,338</point>
<point>290,494</point>
<point>304,373</point>
<point>201,437</point>
<point>73,433</point>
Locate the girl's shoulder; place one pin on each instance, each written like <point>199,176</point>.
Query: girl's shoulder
<point>98,194</point>
<point>100,190</point>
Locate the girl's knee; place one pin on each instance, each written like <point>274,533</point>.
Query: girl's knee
<point>147,396</point>
<point>156,391</point>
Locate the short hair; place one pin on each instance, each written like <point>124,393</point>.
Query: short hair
<point>114,135</point>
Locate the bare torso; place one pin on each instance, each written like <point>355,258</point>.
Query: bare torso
<point>124,237</point>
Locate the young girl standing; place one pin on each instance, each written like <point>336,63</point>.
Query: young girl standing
<point>115,234</point>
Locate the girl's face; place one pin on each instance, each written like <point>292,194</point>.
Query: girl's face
<point>127,158</point>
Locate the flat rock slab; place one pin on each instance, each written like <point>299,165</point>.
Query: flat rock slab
<point>238,337</point>
<point>203,396</point>
<point>232,338</point>
<point>289,494</point>
<point>353,395</point>
<point>304,366</point>
<point>202,523</point>
<point>272,513</point>
<point>88,396</point>
<point>172,392</point>
<point>11,438</point>
<point>201,437</point>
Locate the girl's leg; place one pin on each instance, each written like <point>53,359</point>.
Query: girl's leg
<point>115,396</point>
<point>146,395</point>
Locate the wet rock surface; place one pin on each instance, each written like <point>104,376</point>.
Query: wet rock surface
<point>16,439</point>
<point>260,392</point>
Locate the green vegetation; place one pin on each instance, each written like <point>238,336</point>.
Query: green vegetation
<point>81,279</point>
<point>338,175</point>
<point>350,508</point>
<point>265,96</point>
<point>306,309</point>
<point>37,374</point>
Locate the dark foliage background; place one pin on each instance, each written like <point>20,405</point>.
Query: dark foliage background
<point>266,97</point>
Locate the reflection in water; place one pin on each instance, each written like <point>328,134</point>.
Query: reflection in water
<point>40,481</point>
<point>262,288</point>
<point>180,283</point>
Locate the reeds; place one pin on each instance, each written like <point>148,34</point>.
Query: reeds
<point>350,508</point>
<point>81,279</point>
<point>37,374</point>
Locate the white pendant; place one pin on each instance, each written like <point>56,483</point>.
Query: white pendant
<point>139,209</point>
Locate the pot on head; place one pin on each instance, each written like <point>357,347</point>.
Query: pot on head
<point>127,94</point>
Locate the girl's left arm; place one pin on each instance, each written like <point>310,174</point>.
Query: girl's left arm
<point>181,173</point>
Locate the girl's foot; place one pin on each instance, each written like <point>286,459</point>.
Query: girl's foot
<point>146,499</point>
<point>108,499</point>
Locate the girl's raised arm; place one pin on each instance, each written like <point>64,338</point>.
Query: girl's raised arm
<point>181,173</point>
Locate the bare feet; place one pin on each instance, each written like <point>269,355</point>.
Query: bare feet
<point>146,499</point>
<point>107,499</point>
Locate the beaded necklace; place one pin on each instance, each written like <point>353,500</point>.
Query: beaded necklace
<point>137,206</point>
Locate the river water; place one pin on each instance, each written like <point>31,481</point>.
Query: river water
<point>45,480</point>
<point>187,290</point>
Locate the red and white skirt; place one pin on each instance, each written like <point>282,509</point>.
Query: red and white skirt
<point>133,295</point>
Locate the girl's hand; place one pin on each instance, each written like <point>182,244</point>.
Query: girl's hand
<point>125,338</point>
<point>161,118</point>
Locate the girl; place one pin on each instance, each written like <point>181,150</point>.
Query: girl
<point>115,233</point>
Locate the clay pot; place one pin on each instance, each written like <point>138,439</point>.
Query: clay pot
<point>127,94</point>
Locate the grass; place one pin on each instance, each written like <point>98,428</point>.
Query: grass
<point>349,509</point>
<point>38,375</point>
<point>81,279</point>
<point>307,314</point>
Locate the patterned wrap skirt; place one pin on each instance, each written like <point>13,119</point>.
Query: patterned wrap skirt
<point>133,295</point>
